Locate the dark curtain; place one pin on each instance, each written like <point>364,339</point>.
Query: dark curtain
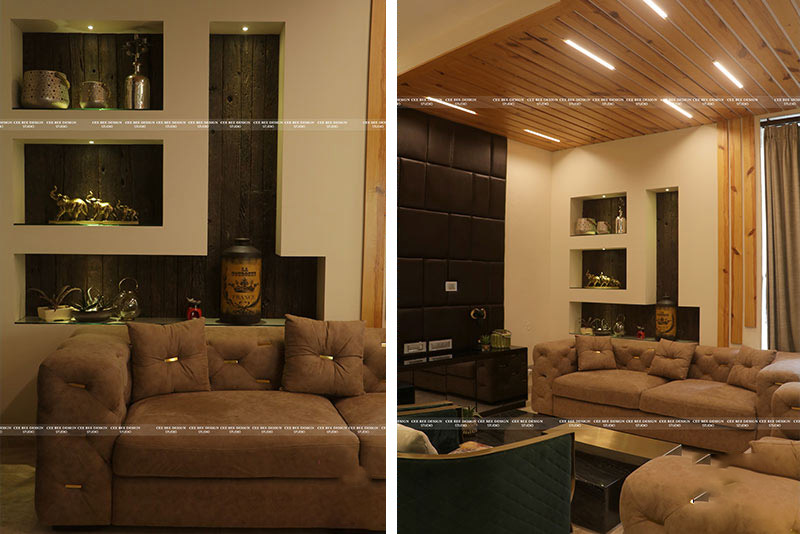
<point>782,195</point>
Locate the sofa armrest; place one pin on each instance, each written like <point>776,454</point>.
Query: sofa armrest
<point>550,360</point>
<point>86,381</point>
<point>786,405</point>
<point>785,369</point>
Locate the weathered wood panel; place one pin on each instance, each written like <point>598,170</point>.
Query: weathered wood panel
<point>612,262</point>
<point>644,315</point>
<point>131,174</point>
<point>101,57</point>
<point>667,244</point>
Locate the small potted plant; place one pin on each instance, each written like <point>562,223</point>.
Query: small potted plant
<point>92,308</point>
<point>55,310</point>
<point>486,342</point>
<point>469,420</point>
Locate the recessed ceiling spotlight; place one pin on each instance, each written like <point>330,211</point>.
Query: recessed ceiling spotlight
<point>245,28</point>
<point>604,196</point>
<point>91,142</point>
<point>465,110</point>
<point>543,135</point>
<point>655,7</point>
<point>90,27</point>
<point>582,50</point>
<point>677,108</point>
<point>667,190</point>
<point>727,73</point>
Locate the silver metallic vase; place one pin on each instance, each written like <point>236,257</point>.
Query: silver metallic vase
<point>137,89</point>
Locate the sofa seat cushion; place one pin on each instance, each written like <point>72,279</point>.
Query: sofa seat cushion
<point>612,387</point>
<point>366,417</point>
<point>700,399</point>
<point>315,453</point>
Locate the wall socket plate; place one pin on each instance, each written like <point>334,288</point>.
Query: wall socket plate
<point>440,344</point>
<point>413,348</point>
<point>451,285</point>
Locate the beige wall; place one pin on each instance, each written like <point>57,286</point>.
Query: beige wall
<point>527,266</point>
<point>321,174</point>
<point>683,159</point>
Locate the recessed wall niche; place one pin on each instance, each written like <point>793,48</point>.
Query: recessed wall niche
<point>131,174</point>
<point>609,262</point>
<point>85,55</point>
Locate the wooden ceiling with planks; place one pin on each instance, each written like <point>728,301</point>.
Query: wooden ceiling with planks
<point>524,75</point>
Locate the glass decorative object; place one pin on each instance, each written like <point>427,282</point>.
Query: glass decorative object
<point>126,304</point>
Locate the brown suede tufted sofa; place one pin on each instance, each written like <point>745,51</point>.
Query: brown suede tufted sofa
<point>311,478</point>
<point>628,391</point>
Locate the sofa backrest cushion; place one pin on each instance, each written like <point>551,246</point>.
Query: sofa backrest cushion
<point>324,357</point>
<point>633,354</point>
<point>772,456</point>
<point>374,360</point>
<point>244,357</point>
<point>712,363</point>
<point>594,352</point>
<point>748,363</point>
<point>672,359</point>
<point>168,358</point>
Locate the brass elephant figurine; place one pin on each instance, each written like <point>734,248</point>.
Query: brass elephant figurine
<point>103,211</point>
<point>126,213</point>
<point>601,280</point>
<point>73,208</point>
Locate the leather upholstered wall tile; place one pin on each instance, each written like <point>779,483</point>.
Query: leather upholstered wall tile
<point>451,227</point>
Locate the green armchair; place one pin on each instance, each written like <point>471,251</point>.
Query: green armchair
<point>520,487</point>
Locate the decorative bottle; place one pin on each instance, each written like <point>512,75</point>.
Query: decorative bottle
<point>620,223</point>
<point>241,283</point>
<point>137,85</point>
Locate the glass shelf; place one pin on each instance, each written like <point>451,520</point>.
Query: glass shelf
<point>210,321</point>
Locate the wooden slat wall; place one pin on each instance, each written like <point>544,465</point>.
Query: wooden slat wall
<point>724,237</point>
<point>101,57</point>
<point>738,255</point>
<point>373,284</point>
<point>131,174</point>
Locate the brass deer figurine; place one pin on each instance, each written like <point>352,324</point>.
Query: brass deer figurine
<point>103,211</point>
<point>73,208</point>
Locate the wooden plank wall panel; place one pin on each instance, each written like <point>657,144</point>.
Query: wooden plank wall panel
<point>612,262</point>
<point>243,85</point>
<point>738,227</point>
<point>750,199</point>
<point>373,285</point>
<point>723,245</point>
<point>737,287</point>
<point>101,57</point>
<point>667,244</point>
<point>131,174</point>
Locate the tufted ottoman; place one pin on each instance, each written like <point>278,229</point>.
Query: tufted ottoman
<point>658,498</point>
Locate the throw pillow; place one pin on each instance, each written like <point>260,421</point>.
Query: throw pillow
<point>324,357</point>
<point>746,366</point>
<point>772,456</point>
<point>413,441</point>
<point>672,359</point>
<point>168,358</point>
<point>594,352</point>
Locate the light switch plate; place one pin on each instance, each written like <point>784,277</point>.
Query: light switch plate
<point>413,348</point>
<point>451,285</point>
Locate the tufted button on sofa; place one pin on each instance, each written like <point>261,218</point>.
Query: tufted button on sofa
<point>558,388</point>
<point>309,479</point>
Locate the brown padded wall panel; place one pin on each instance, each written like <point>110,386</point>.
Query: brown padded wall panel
<point>411,185</point>
<point>412,136</point>
<point>457,233</point>
<point>472,149</point>
<point>421,234</point>
<point>409,282</point>
<point>440,141</point>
